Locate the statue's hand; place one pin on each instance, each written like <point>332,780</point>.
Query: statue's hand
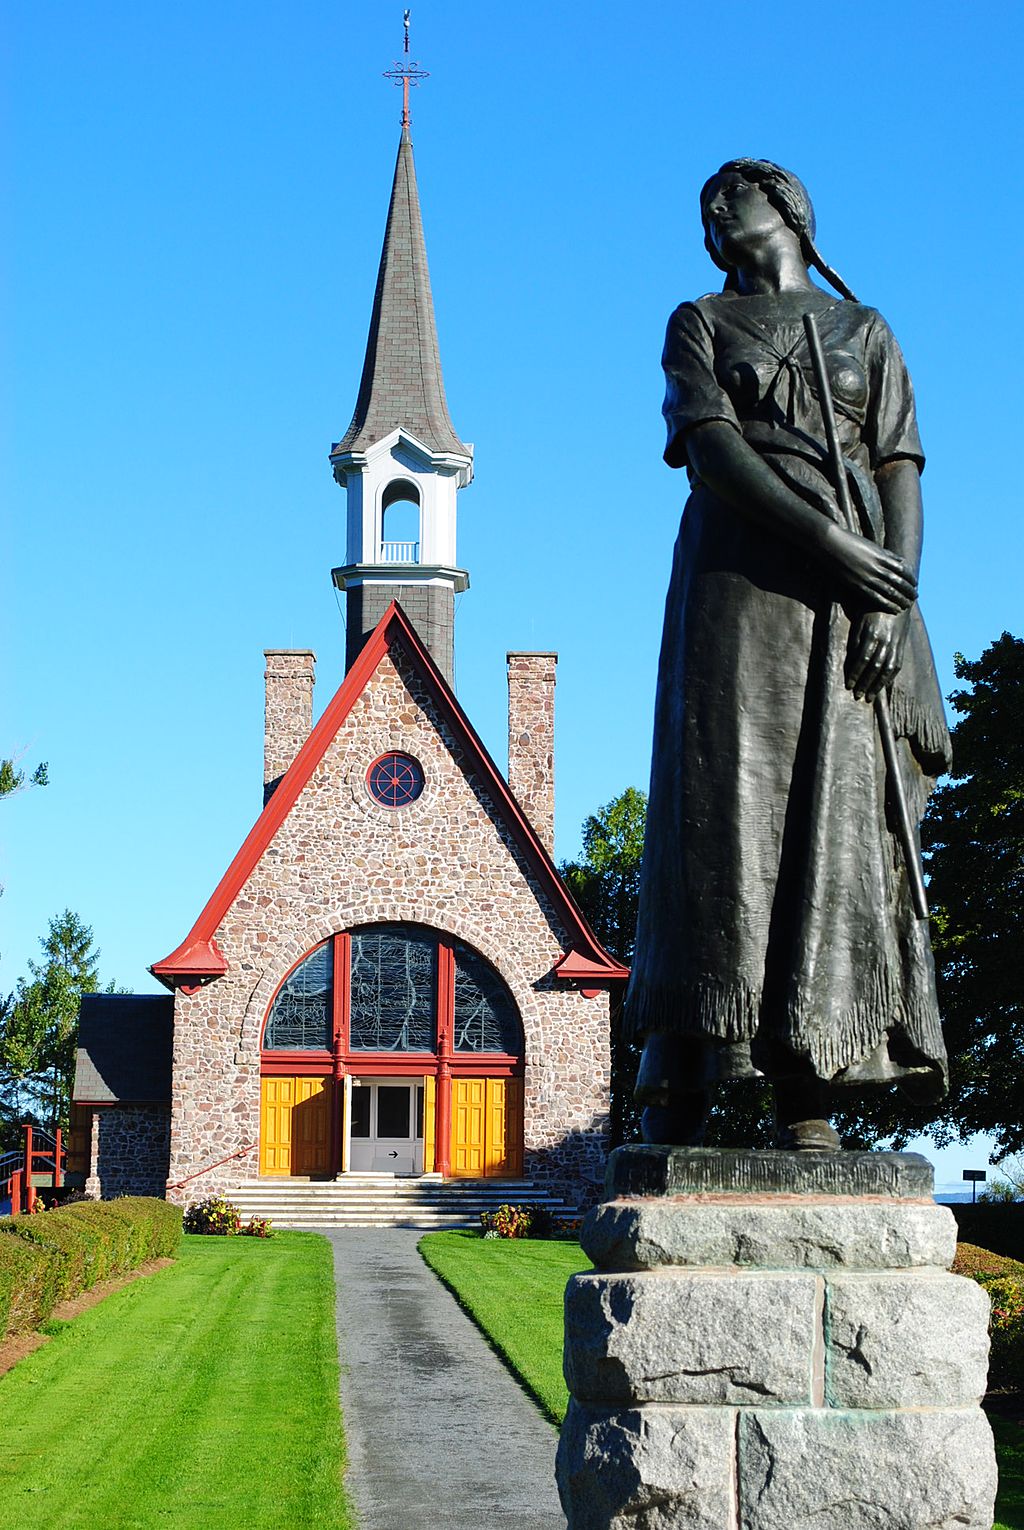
<point>876,577</point>
<point>875,654</point>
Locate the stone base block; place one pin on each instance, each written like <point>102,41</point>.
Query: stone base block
<point>676,1468</point>
<point>834,1470</point>
<point>647,1468</point>
<point>789,1356</point>
<point>691,1337</point>
<point>828,1234</point>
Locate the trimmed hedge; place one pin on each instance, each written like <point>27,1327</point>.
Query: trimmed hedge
<point>53,1255</point>
<point>999,1227</point>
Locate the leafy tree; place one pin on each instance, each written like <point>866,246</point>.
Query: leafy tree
<point>13,779</point>
<point>606,884</point>
<point>973,835</point>
<point>39,1026</point>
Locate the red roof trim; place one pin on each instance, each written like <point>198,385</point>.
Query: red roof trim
<point>198,956</point>
<point>573,965</point>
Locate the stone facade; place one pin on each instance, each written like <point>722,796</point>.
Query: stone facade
<point>531,739</point>
<point>339,860</point>
<point>288,714</point>
<point>759,1360</point>
<point>129,1150</point>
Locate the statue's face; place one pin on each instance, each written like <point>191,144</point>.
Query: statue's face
<point>740,218</point>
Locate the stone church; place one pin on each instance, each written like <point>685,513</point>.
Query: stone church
<point>390,978</point>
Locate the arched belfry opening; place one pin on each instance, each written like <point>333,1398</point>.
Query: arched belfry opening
<point>392,1048</point>
<point>400,528</point>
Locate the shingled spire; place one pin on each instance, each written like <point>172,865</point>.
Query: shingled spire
<point>401,386</point>
<point>400,462</point>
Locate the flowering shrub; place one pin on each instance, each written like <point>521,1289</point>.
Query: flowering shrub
<point>215,1215</point>
<point>257,1227</point>
<point>1006,1329</point>
<point>508,1221</point>
<point>565,1227</point>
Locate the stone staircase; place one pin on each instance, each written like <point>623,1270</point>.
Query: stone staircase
<point>382,1200</point>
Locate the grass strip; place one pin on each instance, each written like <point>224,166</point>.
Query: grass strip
<point>206,1394</point>
<point>1009,1435</point>
<point>512,1289</point>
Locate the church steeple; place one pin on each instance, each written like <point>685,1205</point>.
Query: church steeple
<point>400,461</point>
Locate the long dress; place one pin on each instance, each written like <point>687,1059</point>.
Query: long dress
<point>775,919</point>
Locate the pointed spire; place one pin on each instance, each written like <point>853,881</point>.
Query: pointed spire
<point>401,383</point>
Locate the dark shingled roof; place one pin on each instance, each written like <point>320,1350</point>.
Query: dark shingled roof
<point>124,1047</point>
<point>401,383</point>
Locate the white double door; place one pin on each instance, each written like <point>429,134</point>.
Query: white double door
<point>386,1126</point>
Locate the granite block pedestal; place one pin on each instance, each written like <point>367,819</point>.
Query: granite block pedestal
<point>772,1341</point>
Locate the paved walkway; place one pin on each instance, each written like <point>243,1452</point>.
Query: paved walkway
<point>438,1432</point>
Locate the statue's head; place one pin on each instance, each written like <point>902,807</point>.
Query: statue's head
<point>783,196</point>
<point>783,190</point>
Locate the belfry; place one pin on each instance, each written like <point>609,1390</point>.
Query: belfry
<point>390,985</point>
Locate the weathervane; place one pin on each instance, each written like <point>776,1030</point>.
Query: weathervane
<point>406,72</point>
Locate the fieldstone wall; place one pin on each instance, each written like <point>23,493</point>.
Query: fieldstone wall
<point>341,860</point>
<point>288,713</point>
<point>531,739</point>
<point>129,1150</point>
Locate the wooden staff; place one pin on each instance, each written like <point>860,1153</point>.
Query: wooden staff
<point>904,825</point>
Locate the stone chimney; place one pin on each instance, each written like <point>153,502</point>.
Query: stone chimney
<point>531,739</point>
<point>289,710</point>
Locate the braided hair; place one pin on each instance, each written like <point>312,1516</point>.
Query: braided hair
<point>788,195</point>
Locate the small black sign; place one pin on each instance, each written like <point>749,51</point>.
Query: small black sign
<point>975,1174</point>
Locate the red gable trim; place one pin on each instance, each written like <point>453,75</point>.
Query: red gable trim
<point>198,959</point>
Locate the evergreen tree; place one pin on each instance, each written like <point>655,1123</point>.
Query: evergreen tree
<point>39,1027</point>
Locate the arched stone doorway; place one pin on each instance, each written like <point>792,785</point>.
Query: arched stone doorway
<point>392,1048</point>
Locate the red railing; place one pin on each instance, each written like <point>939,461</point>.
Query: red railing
<point>19,1185</point>
<point>210,1166</point>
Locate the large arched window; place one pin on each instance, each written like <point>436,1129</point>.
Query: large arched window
<point>300,1016</point>
<point>393,1007</point>
<point>485,1012</point>
<point>404,985</point>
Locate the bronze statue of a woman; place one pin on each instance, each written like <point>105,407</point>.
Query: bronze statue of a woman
<point>777,935</point>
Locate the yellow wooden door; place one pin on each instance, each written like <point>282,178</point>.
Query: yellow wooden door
<point>503,1150</point>
<point>469,1098</point>
<point>276,1099</point>
<point>487,1128</point>
<point>311,1126</point>
<point>429,1122</point>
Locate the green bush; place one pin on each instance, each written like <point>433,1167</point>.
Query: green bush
<point>28,1279</point>
<point>45,1259</point>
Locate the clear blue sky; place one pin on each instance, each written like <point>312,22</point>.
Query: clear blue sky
<point>195,198</point>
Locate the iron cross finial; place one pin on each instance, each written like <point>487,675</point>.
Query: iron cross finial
<point>407,73</point>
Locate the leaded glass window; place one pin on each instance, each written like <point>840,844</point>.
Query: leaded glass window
<point>300,1019</point>
<point>394,991</point>
<point>485,1014</point>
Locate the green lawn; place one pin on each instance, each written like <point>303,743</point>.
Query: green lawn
<point>1010,1451</point>
<point>513,1291</point>
<point>203,1396</point>
<point>512,1288</point>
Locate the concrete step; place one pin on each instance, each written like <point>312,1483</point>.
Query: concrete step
<point>384,1201</point>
